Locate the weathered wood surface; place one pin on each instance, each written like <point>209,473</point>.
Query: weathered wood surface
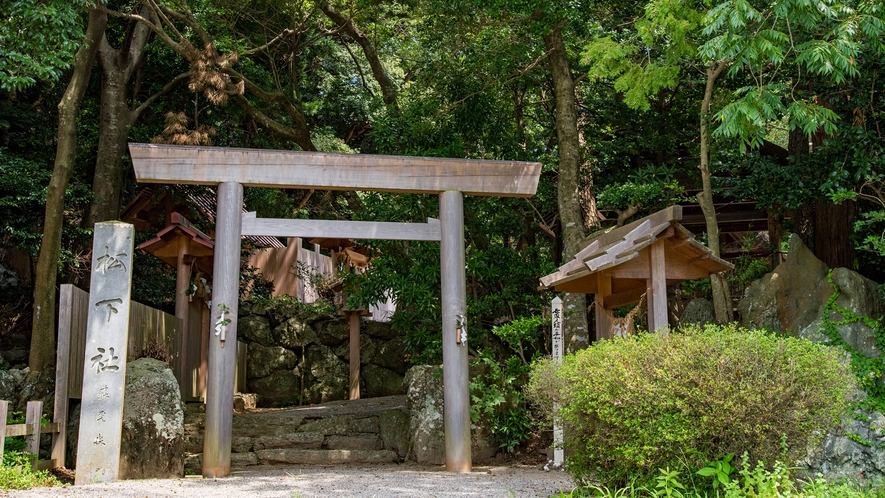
<point>340,229</point>
<point>33,414</point>
<point>657,299</point>
<point>62,371</point>
<point>27,429</point>
<point>4,409</point>
<point>290,169</point>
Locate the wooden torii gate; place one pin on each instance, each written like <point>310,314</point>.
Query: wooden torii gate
<point>639,259</point>
<point>231,169</point>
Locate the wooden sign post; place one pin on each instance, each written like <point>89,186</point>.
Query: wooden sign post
<point>104,366</point>
<point>557,347</point>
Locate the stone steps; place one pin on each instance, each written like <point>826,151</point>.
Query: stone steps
<point>360,431</point>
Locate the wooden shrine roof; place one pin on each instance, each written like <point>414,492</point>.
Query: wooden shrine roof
<point>622,254</point>
<point>165,245</point>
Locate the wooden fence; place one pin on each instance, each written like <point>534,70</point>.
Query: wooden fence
<point>187,352</point>
<point>31,429</point>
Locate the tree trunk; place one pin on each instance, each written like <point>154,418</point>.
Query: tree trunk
<point>721,298</point>
<point>569,194</point>
<point>117,69</point>
<point>42,353</point>
<point>833,228</point>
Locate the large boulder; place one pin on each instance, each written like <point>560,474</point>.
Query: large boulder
<point>791,296</point>
<point>424,400</point>
<point>854,453</point>
<point>36,387</point>
<point>698,311</point>
<point>792,299</point>
<point>152,444</point>
<point>294,333</point>
<point>390,425</point>
<point>10,380</point>
<point>262,361</point>
<point>381,330</point>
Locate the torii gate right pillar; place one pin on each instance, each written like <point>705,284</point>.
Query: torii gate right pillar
<point>456,391</point>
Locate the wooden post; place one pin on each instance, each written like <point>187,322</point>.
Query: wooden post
<point>556,344</point>
<point>33,414</point>
<point>223,353</point>
<point>62,365</point>
<point>456,391</point>
<point>657,298</point>
<point>4,407</point>
<point>603,323</point>
<point>182,310</point>
<point>354,355</point>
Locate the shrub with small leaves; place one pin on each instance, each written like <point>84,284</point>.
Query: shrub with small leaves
<point>634,405</point>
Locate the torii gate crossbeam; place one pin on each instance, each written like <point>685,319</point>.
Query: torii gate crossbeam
<point>232,169</point>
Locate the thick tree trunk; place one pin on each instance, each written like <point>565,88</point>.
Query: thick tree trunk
<point>42,353</point>
<point>114,114</point>
<point>721,298</point>
<point>833,227</point>
<point>569,187</point>
<point>117,69</point>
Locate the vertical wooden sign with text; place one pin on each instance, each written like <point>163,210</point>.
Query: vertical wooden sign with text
<point>104,366</point>
<point>557,346</point>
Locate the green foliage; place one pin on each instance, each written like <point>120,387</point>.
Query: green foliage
<point>747,269</point>
<point>720,470</point>
<point>759,481</point>
<point>38,40</point>
<point>649,196</point>
<point>16,472</point>
<point>638,404</point>
<point>496,395</point>
<point>284,307</point>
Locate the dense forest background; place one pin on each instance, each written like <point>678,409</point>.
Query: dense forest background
<point>629,105</point>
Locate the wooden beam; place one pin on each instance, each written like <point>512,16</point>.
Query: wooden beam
<point>334,229</point>
<point>603,290</point>
<point>624,298</point>
<point>320,170</point>
<point>62,367</point>
<point>657,300</point>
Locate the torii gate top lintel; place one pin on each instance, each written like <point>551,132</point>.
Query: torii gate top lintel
<point>296,169</point>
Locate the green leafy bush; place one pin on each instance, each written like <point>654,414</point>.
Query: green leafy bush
<point>634,405</point>
<point>16,472</point>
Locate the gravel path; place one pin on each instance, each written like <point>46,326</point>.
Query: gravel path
<point>327,481</point>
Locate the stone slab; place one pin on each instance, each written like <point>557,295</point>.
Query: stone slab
<point>299,440</point>
<point>322,457</point>
<point>104,366</point>
<point>366,442</point>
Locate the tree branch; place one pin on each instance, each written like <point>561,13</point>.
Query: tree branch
<point>166,89</point>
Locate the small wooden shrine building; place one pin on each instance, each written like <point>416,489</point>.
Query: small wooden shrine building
<point>639,260</point>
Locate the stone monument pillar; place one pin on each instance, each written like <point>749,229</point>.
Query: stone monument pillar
<point>104,366</point>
